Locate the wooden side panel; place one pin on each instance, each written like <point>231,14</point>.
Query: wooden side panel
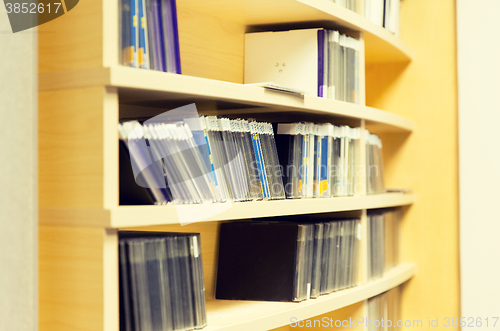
<point>110,148</point>
<point>111,296</point>
<point>74,40</point>
<point>71,283</point>
<point>71,147</point>
<point>333,320</point>
<point>426,160</point>
<point>210,47</point>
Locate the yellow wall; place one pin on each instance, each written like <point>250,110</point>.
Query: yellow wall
<point>426,161</point>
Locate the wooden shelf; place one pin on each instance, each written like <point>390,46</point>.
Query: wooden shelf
<point>251,316</point>
<point>136,216</point>
<point>162,89</point>
<point>381,45</point>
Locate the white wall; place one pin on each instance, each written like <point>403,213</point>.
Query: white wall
<point>478,30</point>
<point>18,173</point>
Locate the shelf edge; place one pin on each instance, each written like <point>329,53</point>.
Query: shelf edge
<point>358,22</point>
<point>133,216</point>
<point>164,83</point>
<point>127,216</point>
<point>314,307</point>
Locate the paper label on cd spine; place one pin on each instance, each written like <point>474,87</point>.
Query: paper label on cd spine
<point>195,246</point>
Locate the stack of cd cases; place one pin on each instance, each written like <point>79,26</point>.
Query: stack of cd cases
<point>339,258</point>
<point>318,160</point>
<point>225,160</point>
<point>384,307</point>
<point>149,35</point>
<point>383,241</point>
<point>319,62</point>
<point>349,4</point>
<point>161,281</point>
<point>295,259</point>
<point>374,164</point>
<point>377,312</point>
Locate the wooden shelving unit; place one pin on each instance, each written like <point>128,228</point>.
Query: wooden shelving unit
<point>84,93</point>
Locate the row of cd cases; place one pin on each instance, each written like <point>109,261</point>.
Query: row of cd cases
<point>161,281</point>
<point>162,285</point>
<point>296,259</point>
<point>205,159</point>
<point>212,159</point>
